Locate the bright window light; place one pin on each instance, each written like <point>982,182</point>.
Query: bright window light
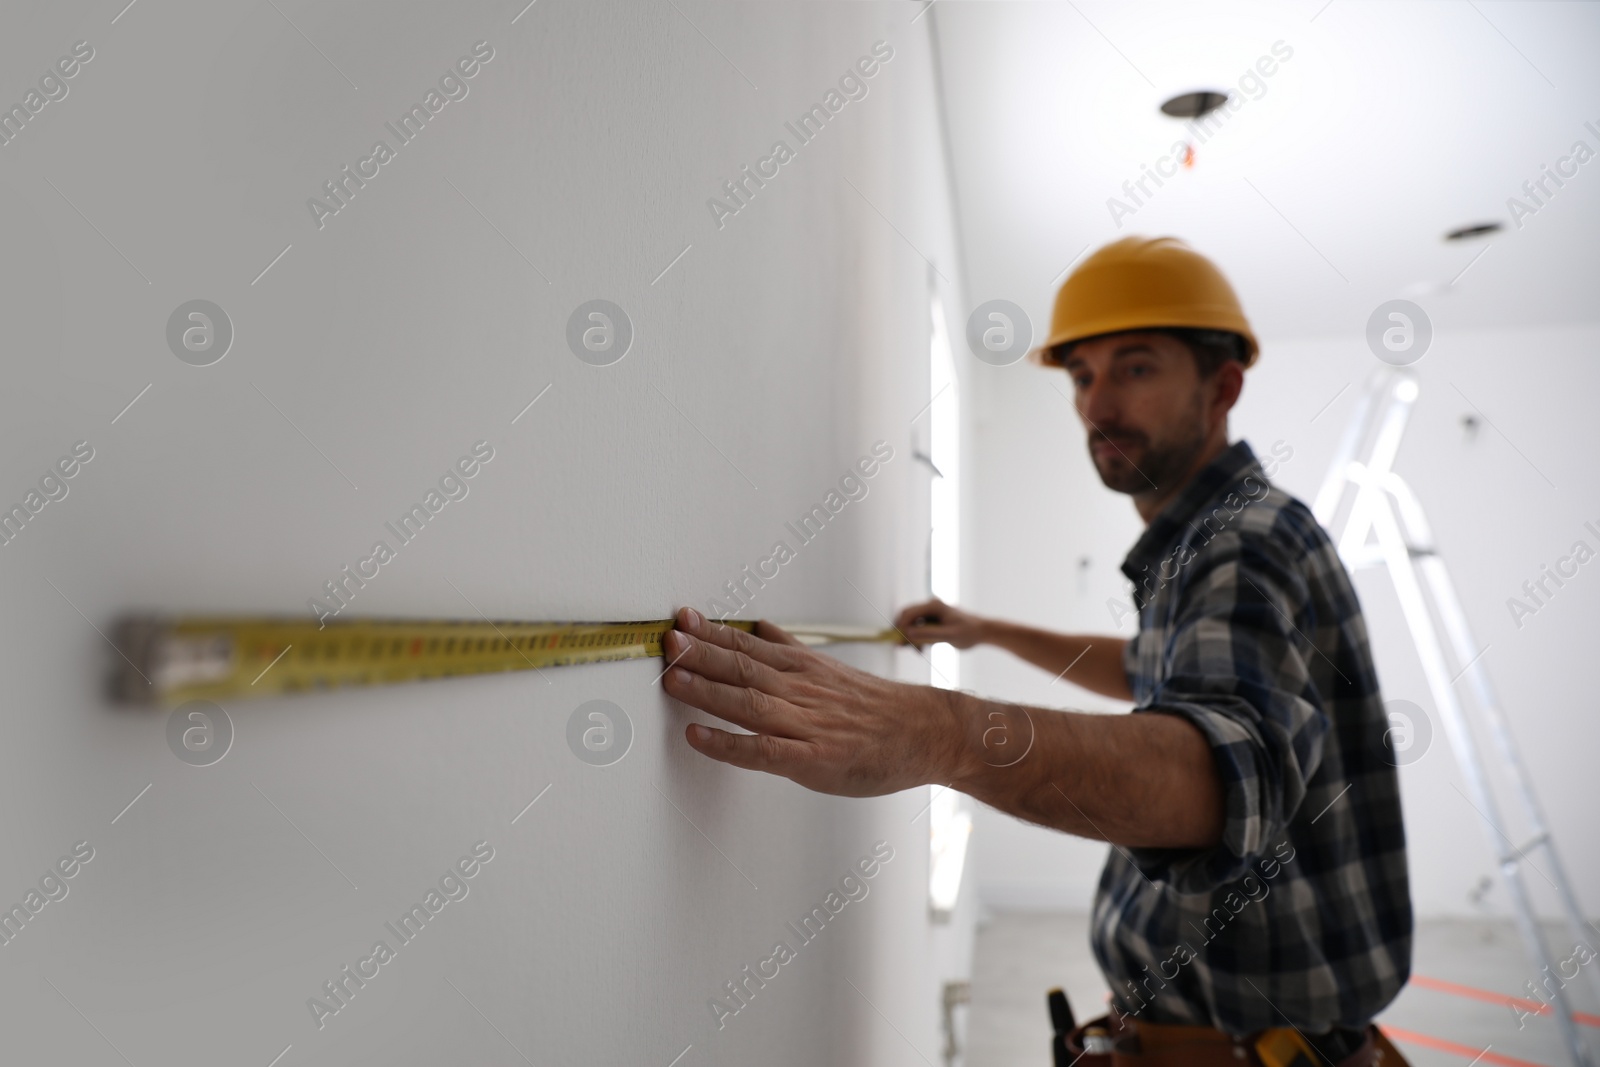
<point>949,823</point>
<point>944,449</point>
<point>952,826</point>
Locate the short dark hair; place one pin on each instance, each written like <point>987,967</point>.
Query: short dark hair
<point>1211,348</point>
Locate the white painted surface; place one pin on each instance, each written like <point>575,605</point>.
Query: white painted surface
<point>418,320</point>
<point>1331,186</point>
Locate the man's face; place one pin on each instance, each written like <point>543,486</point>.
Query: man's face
<point>1142,401</point>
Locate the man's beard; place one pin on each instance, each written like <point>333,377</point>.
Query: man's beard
<point>1137,467</point>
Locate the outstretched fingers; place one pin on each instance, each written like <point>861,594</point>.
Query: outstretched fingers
<point>753,752</point>
<point>719,663</point>
<point>743,705</point>
<point>780,655</point>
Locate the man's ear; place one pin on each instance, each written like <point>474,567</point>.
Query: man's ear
<point>1228,383</point>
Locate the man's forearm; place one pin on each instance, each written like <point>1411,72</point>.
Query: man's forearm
<point>1142,780</point>
<point>1093,661</point>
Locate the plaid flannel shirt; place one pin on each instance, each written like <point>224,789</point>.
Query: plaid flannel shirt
<point>1249,628</point>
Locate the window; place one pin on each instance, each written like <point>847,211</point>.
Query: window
<point>949,823</point>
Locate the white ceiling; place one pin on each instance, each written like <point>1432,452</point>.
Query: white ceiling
<point>1390,124</point>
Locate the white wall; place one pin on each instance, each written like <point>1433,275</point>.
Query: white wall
<point>421,318</point>
<point>1502,503</point>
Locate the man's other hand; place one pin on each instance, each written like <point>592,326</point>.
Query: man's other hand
<point>933,621</point>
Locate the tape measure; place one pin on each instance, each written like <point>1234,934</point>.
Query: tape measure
<point>173,660</point>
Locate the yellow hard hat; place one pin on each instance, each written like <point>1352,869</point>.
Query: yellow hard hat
<point>1144,283</point>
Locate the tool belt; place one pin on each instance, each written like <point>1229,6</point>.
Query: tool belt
<point>1136,1043</point>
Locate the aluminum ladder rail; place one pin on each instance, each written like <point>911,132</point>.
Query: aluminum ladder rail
<point>1384,506</point>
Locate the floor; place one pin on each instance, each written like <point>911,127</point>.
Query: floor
<point>1453,1010</point>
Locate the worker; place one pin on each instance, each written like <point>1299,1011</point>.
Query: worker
<point>1256,889</point>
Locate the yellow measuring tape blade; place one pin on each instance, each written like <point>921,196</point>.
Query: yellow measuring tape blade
<point>172,660</point>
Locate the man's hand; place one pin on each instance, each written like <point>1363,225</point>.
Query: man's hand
<point>1137,780</point>
<point>1091,661</point>
<point>812,719</point>
<point>934,620</point>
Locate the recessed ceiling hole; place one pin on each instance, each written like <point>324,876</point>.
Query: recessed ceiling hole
<point>1477,229</point>
<point>1194,105</point>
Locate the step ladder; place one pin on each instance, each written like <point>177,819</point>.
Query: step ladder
<point>1384,525</point>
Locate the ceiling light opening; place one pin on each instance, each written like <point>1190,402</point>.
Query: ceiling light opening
<point>1194,105</point>
<point>1477,229</point>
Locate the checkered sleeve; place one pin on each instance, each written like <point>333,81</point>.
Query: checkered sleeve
<point>1237,668</point>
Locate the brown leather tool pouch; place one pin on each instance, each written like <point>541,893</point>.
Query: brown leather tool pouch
<point>1141,1044</point>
